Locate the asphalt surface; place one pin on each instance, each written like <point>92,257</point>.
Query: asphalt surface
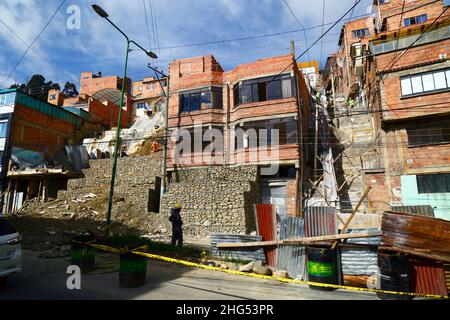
<point>44,278</point>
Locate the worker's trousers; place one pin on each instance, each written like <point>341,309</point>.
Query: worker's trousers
<point>177,236</point>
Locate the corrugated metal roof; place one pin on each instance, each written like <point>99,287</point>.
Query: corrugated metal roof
<point>419,210</point>
<point>427,276</point>
<point>292,258</point>
<point>320,221</point>
<point>447,275</point>
<point>266,228</point>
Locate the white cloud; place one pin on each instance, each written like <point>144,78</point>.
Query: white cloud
<point>61,54</point>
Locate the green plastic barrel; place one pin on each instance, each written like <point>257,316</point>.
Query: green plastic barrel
<point>133,270</point>
<point>82,254</point>
<point>322,267</point>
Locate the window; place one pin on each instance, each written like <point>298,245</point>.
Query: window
<point>434,183</point>
<point>263,89</point>
<point>53,97</point>
<point>209,98</point>
<point>361,33</point>
<point>438,80</point>
<point>3,128</point>
<point>7,99</point>
<point>140,88</point>
<point>427,133</point>
<point>287,132</point>
<point>383,1</point>
<point>142,105</point>
<point>415,20</point>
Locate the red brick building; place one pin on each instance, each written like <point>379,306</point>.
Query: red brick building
<point>245,105</point>
<point>411,55</point>
<point>100,96</point>
<point>404,83</point>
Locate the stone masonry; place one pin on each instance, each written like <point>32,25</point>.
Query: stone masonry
<point>216,199</point>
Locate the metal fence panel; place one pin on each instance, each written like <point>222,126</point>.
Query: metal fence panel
<point>250,254</point>
<point>360,261</point>
<point>320,221</point>
<point>292,258</point>
<point>266,228</point>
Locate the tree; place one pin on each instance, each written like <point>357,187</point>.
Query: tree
<point>38,87</point>
<point>70,89</point>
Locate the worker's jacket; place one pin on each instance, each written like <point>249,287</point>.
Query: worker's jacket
<point>175,218</point>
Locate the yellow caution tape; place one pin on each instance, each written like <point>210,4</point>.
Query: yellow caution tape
<point>259,276</point>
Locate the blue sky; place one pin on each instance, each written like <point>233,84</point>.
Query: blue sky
<point>61,54</point>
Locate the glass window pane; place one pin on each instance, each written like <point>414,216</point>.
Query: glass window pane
<point>194,101</point>
<point>255,95</point>
<point>447,75</point>
<point>184,103</point>
<point>439,80</point>
<point>417,84</point>
<point>406,86</point>
<point>291,132</point>
<point>206,102</point>
<point>246,94</point>
<point>273,89</point>
<point>287,88</point>
<point>428,83</point>
<point>3,126</point>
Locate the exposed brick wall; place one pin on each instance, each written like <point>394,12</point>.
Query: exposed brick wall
<point>109,113</point>
<point>37,131</point>
<point>411,107</point>
<point>393,9</point>
<point>90,85</point>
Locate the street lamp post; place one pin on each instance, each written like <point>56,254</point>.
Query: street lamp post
<point>102,13</point>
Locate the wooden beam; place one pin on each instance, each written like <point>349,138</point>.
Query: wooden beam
<point>299,241</point>
<point>353,214</point>
<point>417,253</point>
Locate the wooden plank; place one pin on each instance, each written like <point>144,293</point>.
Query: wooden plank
<point>333,237</point>
<point>437,257</point>
<point>249,244</point>
<point>353,214</point>
<point>299,241</point>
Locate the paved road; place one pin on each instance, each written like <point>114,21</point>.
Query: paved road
<point>46,279</point>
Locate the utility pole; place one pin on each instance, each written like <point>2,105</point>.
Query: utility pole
<point>293,47</point>
<point>166,133</point>
<point>299,178</point>
<point>316,135</point>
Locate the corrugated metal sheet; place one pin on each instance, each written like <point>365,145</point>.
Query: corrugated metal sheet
<point>320,221</point>
<point>360,261</point>
<point>427,276</point>
<point>292,258</point>
<point>239,254</point>
<point>447,275</point>
<point>419,210</point>
<point>266,228</point>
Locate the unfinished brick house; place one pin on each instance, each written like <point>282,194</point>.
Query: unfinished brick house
<point>411,53</point>
<point>100,97</point>
<point>245,105</point>
<point>405,72</point>
<point>39,147</point>
<point>145,93</point>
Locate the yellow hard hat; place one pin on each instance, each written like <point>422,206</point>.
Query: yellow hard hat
<point>177,206</point>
